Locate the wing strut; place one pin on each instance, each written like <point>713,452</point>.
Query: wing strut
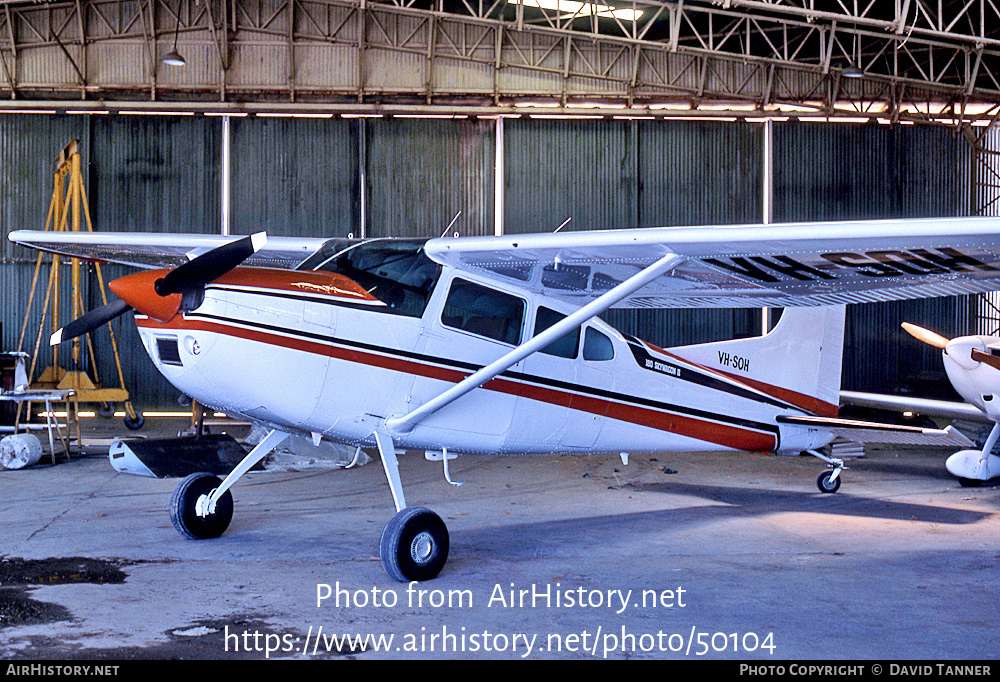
<point>406,422</point>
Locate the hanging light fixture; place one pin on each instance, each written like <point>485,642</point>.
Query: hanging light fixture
<point>853,68</point>
<point>174,57</point>
<point>852,72</point>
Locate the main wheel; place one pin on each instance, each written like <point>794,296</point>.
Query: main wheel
<point>184,503</point>
<point>414,545</point>
<point>826,483</point>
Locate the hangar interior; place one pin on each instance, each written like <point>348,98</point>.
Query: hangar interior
<point>415,118</point>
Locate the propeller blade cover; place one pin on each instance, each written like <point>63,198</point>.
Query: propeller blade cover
<point>90,321</point>
<point>210,265</point>
<point>926,335</point>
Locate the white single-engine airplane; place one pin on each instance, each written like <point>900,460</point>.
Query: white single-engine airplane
<point>493,345</point>
<point>972,364</point>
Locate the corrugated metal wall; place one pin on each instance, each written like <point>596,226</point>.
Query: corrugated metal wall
<point>847,171</point>
<point>155,173</point>
<point>28,149</point>
<point>986,201</point>
<point>299,176</point>
<point>582,170</point>
<point>420,173</point>
<point>302,177</point>
<point>294,176</point>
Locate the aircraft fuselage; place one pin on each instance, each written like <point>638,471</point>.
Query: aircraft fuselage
<point>309,352</point>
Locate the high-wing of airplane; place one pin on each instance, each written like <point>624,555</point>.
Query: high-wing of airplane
<point>972,364</point>
<point>494,345</point>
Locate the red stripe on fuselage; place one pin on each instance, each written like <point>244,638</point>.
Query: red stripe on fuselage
<point>720,434</point>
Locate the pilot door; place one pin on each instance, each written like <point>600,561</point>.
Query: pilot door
<point>475,326</point>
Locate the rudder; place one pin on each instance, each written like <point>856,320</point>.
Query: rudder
<point>801,357</point>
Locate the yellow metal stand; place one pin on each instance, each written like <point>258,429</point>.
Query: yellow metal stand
<point>68,197</point>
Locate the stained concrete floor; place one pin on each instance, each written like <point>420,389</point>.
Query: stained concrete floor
<point>680,556</point>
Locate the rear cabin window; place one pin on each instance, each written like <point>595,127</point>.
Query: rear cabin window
<point>483,311</point>
<point>563,347</point>
<point>597,346</point>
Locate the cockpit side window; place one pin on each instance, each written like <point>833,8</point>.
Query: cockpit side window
<point>396,272</point>
<point>597,346</point>
<point>483,311</point>
<point>563,347</point>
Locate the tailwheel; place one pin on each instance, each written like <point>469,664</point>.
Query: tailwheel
<point>827,483</point>
<point>191,513</point>
<point>414,545</point>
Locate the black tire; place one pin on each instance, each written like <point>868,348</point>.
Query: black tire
<point>182,508</point>
<point>970,482</point>
<point>135,424</point>
<point>106,410</point>
<point>826,485</point>
<point>414,545</point>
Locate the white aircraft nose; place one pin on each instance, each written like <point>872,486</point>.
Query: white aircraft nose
<point>959,350</point>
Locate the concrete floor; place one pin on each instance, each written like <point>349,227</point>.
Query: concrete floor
<point>720,556</point>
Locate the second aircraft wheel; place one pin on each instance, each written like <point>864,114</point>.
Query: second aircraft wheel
<point>135,424</point>
<point>184,504</point>
<point>414,545</point>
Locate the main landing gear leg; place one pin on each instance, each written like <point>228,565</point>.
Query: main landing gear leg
<point>828,481</point>
<point>202,506</point>
<point>414,544</point>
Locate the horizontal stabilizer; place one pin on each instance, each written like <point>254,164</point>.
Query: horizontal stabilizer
<point>925,406</point>
<point>874,432</point>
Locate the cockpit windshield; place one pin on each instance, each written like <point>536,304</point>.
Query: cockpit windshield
<point>395,271</point>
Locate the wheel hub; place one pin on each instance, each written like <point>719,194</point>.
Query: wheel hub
<point>422,547</point>
<point>204,507</point>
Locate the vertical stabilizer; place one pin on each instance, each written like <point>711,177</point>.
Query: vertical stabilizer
<point>800,359</point>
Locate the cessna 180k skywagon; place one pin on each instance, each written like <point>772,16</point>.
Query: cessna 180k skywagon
<point>471,345</point>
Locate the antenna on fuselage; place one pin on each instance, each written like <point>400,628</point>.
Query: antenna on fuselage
<point>450,224</point>
<point>563,224</point>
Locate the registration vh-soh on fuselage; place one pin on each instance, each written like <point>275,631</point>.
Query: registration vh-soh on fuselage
<point>465,345</point>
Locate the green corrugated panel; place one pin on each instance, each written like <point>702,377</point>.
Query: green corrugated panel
<point>294,176</point>
<point>155,173</point>
<point>29,145</point>
<point>582,170</point>
<point>699,173</point>
<point>845,172</point>
<point>422,172</point>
